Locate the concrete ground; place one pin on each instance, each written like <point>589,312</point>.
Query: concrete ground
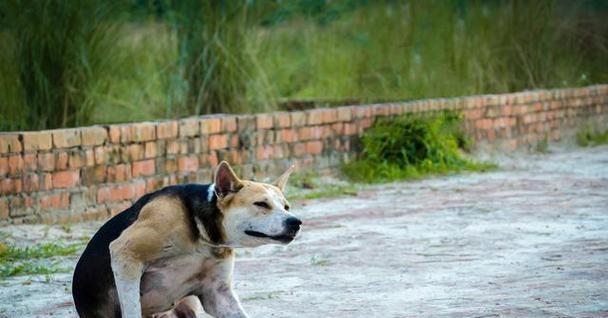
<point>529,240</point>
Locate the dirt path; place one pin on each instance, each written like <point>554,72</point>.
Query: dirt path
<point>530,240</point>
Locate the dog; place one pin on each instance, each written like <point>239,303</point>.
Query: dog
<point>171,253</point>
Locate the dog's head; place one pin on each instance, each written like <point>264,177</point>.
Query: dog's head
<point>254,213</point>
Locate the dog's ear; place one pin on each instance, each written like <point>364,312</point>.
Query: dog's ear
<point>281,181</point>
<point>226,181</point>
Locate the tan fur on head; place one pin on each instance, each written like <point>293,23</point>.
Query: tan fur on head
<point>249,206</point>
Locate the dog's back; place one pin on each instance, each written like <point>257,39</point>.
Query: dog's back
<point>93,285</point>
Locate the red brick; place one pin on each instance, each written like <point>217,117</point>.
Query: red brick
<point>153,184</point>
<point>142,168</point>
<point>473,114</point>
<point>288,135</point>
<point>133,152</point>
<point>15,165</point>
<point>76,160</point>
<point>329,116</point>
<point>171,165</point>
<point>66,179</point>
<point>31,183</point>
<point>211,125</point>
<point>30,162</point>
<point>39,140</point>
<point>143,132</point>
<point>3,166</point>
<point>150,150</point>
<point>212,159</point>
<point>125,134</point>
<point>263,152</point>
<point>61,160</point>
<point>167,129</point>
<point>66,138</point>
<point>228,123</point>
<point>94,136</point>
<point>119,172</point>
<point>9,142</point>
<point>46,181</point>
<point>350,129</point>
<point>264,121</point>
<point>189,127</point>
<point>314,117</point>
<point>218,141</point>
<point>314,147</point>
<point>114,134</point>
<point>187,163</point>
<point>139,189</point>
<point>6,186</point>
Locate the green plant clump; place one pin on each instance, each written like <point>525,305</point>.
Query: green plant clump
<point>33,259</point>
<point>588,136</point>
<point>413,146</point>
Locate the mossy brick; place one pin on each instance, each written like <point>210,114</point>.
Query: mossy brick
<point>10,143</point>
<point>93,136</point>
<point>189,127</point>
<point>210,125</point>
<point>282,119</point>
<point>264,121</point>
<point>228,123</point>
<point>143,131</point>
<point>246,123</point>
<point>66,138</point>
<point>37,140</point>
<point>167,129</point>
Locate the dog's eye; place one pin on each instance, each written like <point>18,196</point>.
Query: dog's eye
<point>262,205</point>
<point>287,208</point>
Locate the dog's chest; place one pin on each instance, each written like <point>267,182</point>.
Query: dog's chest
<point>168,280</point>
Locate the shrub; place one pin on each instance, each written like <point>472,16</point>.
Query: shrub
<point>412,146</point>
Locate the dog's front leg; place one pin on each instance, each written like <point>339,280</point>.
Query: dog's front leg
<point>219,300</point>
<point>127,276</point>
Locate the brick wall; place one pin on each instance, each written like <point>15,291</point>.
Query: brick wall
<point>94,172</point>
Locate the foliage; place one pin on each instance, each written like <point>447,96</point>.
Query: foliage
<point>69,63</point>
<point>33,259</point>
<point>588,136</point>
<point>410,147</point>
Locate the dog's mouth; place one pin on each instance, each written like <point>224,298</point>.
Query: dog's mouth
<point>283,238</point>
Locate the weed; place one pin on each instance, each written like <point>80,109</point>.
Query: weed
<point>589,136</point>
<point>412,146</point>
<point>542,146</point>
<point>33,259</point>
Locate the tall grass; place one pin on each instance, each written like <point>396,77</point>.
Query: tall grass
<point>417,49</point>
<point>58,52</point>
<point>213,58</point>
<point>69,63</point>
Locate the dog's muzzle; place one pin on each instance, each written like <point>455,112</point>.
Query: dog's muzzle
<point>292,227</point>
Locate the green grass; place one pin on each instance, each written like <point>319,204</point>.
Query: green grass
<point>35,259</point>
<point>588,136</point>
<point>412,147</point>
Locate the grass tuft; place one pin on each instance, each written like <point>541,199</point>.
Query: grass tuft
<point>588,136</point>
<point>36,259</point>
<point>413,146</point>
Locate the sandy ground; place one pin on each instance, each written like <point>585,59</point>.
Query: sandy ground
<point>530,240</point>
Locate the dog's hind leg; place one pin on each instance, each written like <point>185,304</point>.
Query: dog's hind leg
<point>187,307</point>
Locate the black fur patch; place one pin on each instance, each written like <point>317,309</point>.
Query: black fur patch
<point>93,286</point>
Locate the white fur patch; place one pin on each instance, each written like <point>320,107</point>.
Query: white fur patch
<point>210,192</point>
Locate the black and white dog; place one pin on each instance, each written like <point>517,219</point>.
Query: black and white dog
<point>171,253</point>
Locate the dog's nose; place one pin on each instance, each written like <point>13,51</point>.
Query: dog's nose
<point>293,222</point>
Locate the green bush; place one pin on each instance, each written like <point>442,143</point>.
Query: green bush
<point>57,54</point>
<point>412,146</point>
